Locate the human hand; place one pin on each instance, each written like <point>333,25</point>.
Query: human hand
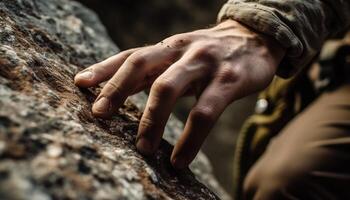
<point>219,65</point>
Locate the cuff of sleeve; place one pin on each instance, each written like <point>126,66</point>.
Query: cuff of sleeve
<point>264,20</point>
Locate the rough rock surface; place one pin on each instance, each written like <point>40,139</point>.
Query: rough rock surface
<point>50,145</point>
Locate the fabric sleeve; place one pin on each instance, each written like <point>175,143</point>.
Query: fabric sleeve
<point>300,26</point>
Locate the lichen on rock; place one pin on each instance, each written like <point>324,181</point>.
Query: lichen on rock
<point>51,147</point>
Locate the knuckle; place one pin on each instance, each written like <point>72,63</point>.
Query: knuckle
<point>203,115</point>
<point>151,111</point>
<point>146,122</point>
<point>205,52</point>
<point>165,88</point>
<point>229,75</point>
<point>136,59</point>
<point>97,66</point>
<point>130,51</point>
<point>112,89</point>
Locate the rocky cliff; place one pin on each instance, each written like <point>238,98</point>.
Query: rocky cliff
<point>51,147</point>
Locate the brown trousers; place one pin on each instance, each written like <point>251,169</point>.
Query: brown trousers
<point>310,158</point>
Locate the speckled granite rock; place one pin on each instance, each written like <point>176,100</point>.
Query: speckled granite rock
<point>50,145</point>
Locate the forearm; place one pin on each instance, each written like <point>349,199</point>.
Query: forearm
<point>300,26</point>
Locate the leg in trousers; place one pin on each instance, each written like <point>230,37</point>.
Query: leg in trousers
<point>310,158</point>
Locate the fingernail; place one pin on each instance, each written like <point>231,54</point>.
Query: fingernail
<point>85,75</point>
<point>144,146</point>
<point>102,105</point>
<point>179,163</point>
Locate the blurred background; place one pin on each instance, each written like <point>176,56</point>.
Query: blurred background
<point>139,23</point>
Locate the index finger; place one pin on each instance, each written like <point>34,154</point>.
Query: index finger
<point>139,69</point>
<point>102,71</point>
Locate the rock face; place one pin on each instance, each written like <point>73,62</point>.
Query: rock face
<point>51,147</point>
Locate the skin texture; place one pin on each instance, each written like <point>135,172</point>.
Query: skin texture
<point>218,65</point>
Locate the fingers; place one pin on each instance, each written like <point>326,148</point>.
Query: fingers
<point>201,119</point>
<point>139,70</point>
<point>172,84</point>
<point>102,71</point>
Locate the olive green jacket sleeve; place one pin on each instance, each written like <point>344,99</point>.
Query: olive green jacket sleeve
<point>301,26</point>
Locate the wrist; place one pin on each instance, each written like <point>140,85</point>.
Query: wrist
<point>275,49</point>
